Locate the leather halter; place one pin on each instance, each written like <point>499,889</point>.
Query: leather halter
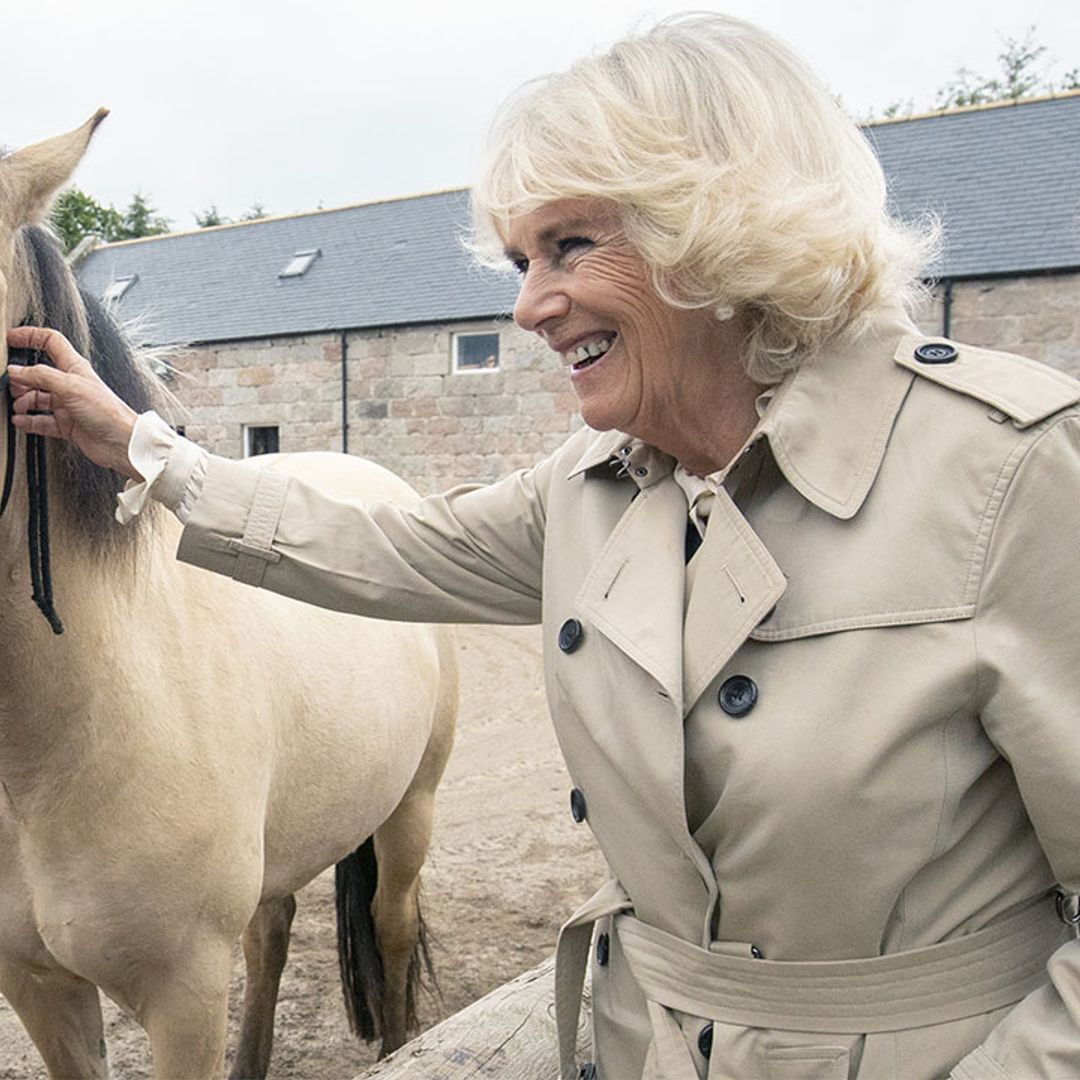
<point>37,498</point>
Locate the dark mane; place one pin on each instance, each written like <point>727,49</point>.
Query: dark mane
<point>83,495</point>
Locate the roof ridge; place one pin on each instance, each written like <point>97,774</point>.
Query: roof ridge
<point>201,230</point>
<point>981,107</point>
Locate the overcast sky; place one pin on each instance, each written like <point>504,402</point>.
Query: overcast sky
<point>325,103</point>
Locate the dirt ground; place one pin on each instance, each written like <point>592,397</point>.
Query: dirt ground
<point>507,865</point>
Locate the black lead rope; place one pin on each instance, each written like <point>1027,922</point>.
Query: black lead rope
<point>37,525</point>
<point>9,470</point>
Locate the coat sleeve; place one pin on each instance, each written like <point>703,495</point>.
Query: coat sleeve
<point>474,554</point>
<point>1029,692</point>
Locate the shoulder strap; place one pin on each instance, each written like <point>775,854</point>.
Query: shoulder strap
<point>1027,391</point>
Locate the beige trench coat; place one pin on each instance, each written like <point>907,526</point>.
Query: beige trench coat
<point>895,578</point>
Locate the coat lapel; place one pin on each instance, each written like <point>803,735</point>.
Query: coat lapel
<point>736,584</point>
<point>633,593</point>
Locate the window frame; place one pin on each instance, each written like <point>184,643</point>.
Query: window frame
<point>248,431</point>
<point>455,365</point>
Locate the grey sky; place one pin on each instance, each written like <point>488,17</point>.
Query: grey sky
<point>329,102</point>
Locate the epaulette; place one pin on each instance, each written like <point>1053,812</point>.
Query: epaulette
<point>1026,391</point>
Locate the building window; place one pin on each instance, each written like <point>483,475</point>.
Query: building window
<point>117,287</point>
<point>476,352</point>
<point>298,265</point>
<point>260,440</point>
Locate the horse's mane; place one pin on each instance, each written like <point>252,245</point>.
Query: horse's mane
<point>83,495</point>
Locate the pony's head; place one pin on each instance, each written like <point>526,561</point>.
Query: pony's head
<point>38,287</point>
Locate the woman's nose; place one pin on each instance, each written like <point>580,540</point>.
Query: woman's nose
<point>540,300</point>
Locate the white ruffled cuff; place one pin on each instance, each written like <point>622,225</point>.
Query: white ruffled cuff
<point>173,470</point>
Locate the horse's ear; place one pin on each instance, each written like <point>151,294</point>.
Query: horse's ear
<point>30,177</point>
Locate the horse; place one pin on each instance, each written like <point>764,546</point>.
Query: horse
<point>189,752</point>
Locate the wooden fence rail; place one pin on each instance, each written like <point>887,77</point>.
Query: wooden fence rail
<point>509,1033</point>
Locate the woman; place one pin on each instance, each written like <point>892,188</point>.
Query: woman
<point>808,645</point>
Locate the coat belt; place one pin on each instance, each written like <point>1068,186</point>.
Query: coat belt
<point>969,975</point>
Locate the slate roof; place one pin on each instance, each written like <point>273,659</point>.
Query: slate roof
<point>380,264</point>
<point>1004,180</point>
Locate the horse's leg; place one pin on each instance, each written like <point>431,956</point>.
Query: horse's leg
<point>62,1015</point>
<point>184,1010</point>
<point>266,945</point>
<point>401,845</point>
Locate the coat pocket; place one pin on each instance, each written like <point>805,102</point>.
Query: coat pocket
<point>806,1063</point>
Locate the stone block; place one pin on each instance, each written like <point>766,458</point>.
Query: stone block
<point>309,410</point>
<point>475,383</point>
<point>1048,326</point>
<point>994,298</point>
<point>258,375</point>
<point>457,406</point>
<point>999,332</point>
<point>221,377</point>
<point>281,393</point>
<point>239,395</point>
<point>369,410</point>
<point>1065,356</point>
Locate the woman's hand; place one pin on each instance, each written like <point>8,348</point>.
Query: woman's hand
<point>69,400</point>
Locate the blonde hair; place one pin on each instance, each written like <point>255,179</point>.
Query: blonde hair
<point>737,177</point>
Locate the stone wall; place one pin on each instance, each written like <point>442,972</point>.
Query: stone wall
<point>406,408</point>
<point>409,411</point>
<point>1037,316</point>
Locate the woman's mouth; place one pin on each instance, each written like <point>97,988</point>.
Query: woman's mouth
<point>587,353</point>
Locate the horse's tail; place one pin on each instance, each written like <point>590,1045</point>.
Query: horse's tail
<point>362,978</point>
<point>362,981</point>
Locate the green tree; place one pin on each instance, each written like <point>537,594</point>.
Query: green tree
<point>76,215</point>
<point>1021,73</point>
<point>254,212</point>
<point>142,219</point>
<point>211,216</point>
<point>1019,76</point>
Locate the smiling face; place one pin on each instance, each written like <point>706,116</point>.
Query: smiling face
<point>637,363</point>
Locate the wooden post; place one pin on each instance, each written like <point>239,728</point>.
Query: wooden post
<point>508,1033</point>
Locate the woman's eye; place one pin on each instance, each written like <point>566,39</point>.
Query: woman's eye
<point>570,245</point>
<point>520,265</point>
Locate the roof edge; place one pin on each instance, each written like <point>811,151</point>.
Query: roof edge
<point>194,343</point>
<point>282,217</point>
<point>1011,103</point>
<point>993,275</point>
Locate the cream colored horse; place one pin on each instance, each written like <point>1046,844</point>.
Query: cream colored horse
<point>189,752</point>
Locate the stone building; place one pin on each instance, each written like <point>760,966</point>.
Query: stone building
<point>1004,182</point>
<point>369,329</point>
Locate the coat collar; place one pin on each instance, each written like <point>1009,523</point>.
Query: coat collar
<point>827,425</point>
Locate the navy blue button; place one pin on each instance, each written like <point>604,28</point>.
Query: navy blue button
<point>756,953</point>
<point>603,949</point>
<point>738,695</point>
<point>570,635</point>
<point>704,1041</point>
<point>938,353</point>
<point>577,805</point>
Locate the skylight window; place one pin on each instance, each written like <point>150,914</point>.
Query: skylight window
<point>299,263</point>
<point>117,287</point>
